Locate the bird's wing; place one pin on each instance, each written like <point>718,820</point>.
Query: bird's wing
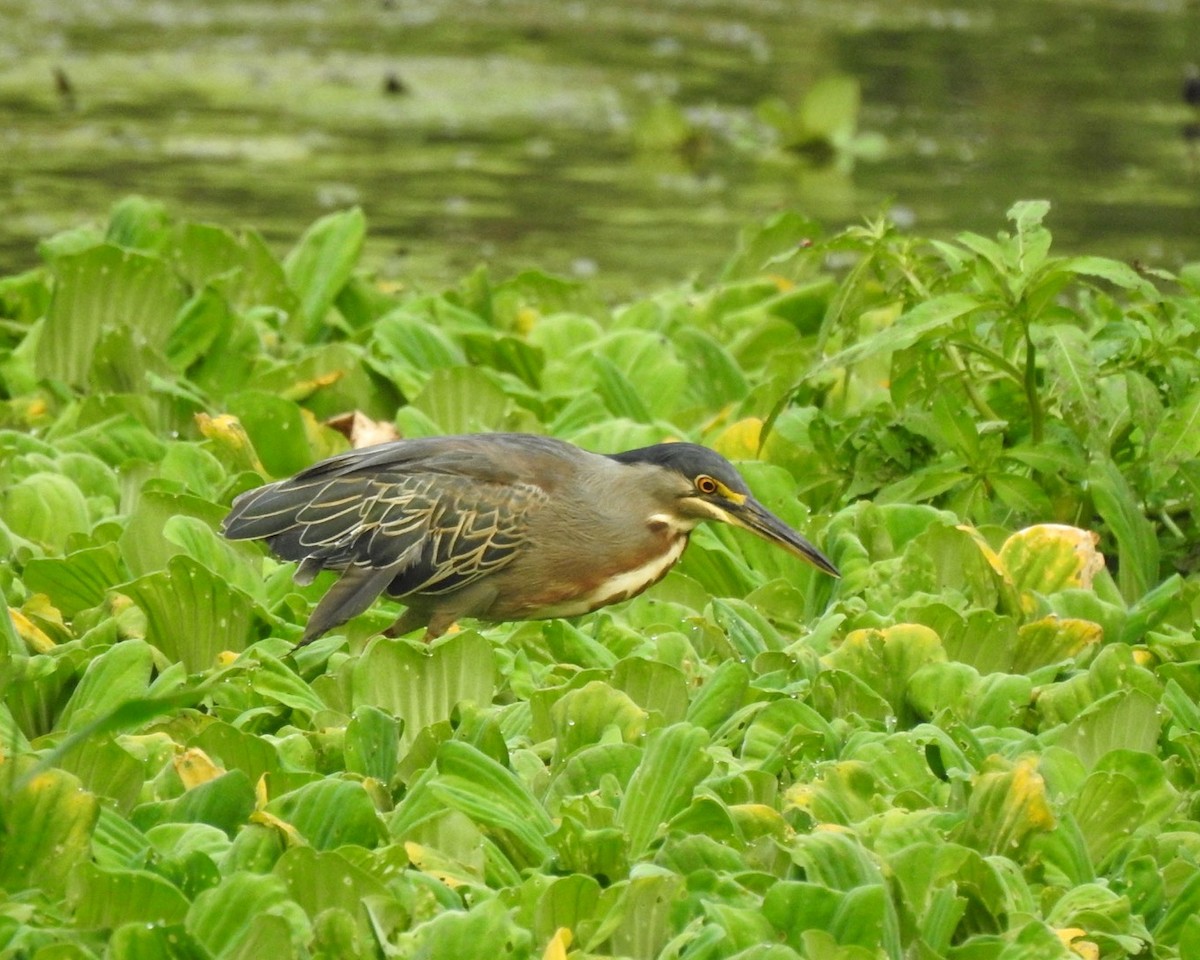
<point>432,531</point>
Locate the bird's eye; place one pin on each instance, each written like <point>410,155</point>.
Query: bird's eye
<point>706,485</point>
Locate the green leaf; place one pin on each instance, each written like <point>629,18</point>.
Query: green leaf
<point>110,898</point>
<point>138,223</point>
<point>46,830</point>
<point>1176,439</point>
<point>1021,495</point>
<point>645,375</point>
<point>674,763</point>
<point>886,659</point>
<point>1113,271</point>
<point>192,615</point>
<point>565,902</point>
<point>372,743</point>
<point>476,934</point>
<point>1124,720</point>
<point>494,798</point>
<point>794,907</point>
<point>77,582</point>
<point>1074,378</point>
<point>237,750</point>
<point>118,437</point>
<point>280,430</point>
<point>325,880</point>
<point>912,327</point>
<point>320,266</point>
<point>581,717</point>
<point>639,923</point>
<point>100,289</point>
<point>241,268</point>
<point>1177,925</point>
<point>139,941</point>
<point>721,694</point>
<point>654,686</point>
<point>223,918</point>
<point>464,400</point>
<point>45,508</point>
<point>107,770</point>
<point>1137,544</point>
<point>117,676</point>
<point>584,771</point>
<point>1106,808</point>
<point>143,546</point>
<point>957,428</point>
<point>421,683</point>
<point>763,245</point>
<point>783,731</point>
<point>200,542</point>
<point>330,813</point>
<point>225,802</point>
<point>618,393</point>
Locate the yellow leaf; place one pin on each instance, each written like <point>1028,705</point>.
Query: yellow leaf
<point>757,820</point>
<point>990,555</point>
<point>227,433</point>
<point>1008,805</point>
<point>799,796</point>
<point>195,767</point>
<point>740,440</point>
<point>1053,638</point>
<point>1084,948</point>
<point>432,862</point>
<point>36,639</point>
<point>1027,795</point>
<point>527,319</point>
<point>291,836</point>
<point>303,389</point>
<point>1050,557</point>
<point>556,949</point>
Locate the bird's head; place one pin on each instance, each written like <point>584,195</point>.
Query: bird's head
<point>700,484</point>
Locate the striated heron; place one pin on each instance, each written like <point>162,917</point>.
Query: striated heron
<point>497,526</point>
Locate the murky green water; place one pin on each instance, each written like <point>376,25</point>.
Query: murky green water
<point>518,132</point>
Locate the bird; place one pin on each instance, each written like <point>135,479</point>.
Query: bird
<point>1191,85</point>
<point>496,527</point>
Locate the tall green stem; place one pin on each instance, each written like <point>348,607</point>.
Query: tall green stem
<point>1036,415</point>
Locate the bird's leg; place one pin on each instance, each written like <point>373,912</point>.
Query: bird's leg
<point>440,623</point>
<point>407,622</point>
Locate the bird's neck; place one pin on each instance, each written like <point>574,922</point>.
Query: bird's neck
<point>670,526</point>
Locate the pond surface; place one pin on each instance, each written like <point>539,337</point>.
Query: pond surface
<point>617,140</point>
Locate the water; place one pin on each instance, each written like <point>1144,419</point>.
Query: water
<point>517,133</point>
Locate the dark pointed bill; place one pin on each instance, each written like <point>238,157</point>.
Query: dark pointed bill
<point>753,516</point>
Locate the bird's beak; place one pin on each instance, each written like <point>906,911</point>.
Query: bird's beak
<point>753,516</point>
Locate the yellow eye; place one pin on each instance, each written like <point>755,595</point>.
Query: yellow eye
<point>707,485</point>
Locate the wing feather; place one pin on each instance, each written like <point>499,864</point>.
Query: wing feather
<point>434,532</point>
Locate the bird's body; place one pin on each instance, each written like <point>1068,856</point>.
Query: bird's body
<point>495,526</point>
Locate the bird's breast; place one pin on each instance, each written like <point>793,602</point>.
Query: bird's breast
<point>578,598</point>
